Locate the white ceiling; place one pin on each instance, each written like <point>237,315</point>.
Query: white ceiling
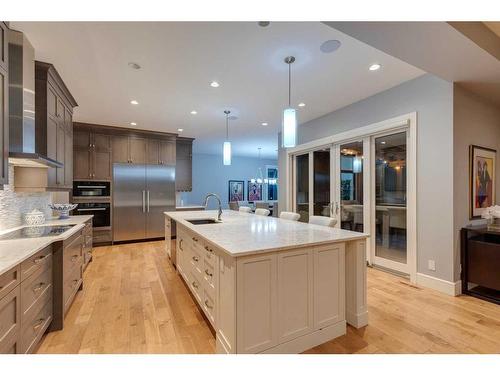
<point>180,59</point>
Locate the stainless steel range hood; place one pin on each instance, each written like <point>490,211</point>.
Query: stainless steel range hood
<point>22,127</point>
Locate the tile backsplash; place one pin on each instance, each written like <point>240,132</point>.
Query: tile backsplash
<point>13,205</point>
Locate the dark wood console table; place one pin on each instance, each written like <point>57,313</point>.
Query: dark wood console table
<point>480,254</point>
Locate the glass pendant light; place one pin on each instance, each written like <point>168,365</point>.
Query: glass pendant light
<point>289,130</point>
<point>226,148</point>
<point>259,178</point>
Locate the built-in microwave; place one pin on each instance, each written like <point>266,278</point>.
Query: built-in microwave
<point>86,189</point>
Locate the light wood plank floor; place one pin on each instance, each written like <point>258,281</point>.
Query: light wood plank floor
<point>134,302</point>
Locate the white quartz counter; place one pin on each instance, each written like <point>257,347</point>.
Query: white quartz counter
<point>13,252</point>
<point>190,207</point>
<point>241,234</point>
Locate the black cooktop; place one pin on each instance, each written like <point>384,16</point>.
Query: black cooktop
<point>36,231</point>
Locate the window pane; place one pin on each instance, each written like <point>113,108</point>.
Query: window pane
<point>302,187</point>
<point>351,186</point>
<point>390,194</point>
<point>322,182</point>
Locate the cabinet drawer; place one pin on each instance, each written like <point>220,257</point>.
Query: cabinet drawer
<point>10,318</point>
<point>9,280</point>
<point>195,285</point>
<point>209,274</point>
<point>42,259</point>
<point>35,293</point>
<point>70,286</point>
<point>73,255</point>
<point>209,255</point>
<point>208,306</point>
<point>101,236</point>
<point>34,328</point>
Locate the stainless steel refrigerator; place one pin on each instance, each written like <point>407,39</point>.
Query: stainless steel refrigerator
<point>141,193</point>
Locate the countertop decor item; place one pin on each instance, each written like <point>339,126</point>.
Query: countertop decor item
<point>63,209</point>
<point>35,217</point>
<point>492,216</point>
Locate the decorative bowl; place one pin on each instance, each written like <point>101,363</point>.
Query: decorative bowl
<point>63,209</point>
<point>34,217</point>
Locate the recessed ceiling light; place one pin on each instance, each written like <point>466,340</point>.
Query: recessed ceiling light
<point>134,102</point>
<point>180,130</point>
<point>194,112</point>
<point>302,104</point>
<point>214,84</point>
<point>264,124</point>
<point>134,65</point>
<point>264,23</point>
<point>375,67</point>
<point>330,46</point>
<point>133,123</point>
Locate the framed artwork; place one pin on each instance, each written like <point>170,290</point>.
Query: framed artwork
<point>254,191</point>
<point>482,164</point>
<point>236,191</point>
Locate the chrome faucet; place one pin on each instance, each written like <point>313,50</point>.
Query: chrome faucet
<point>218,199</point>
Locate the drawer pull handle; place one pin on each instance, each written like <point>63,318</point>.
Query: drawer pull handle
<point>208,305</point>
<point>195,239</point>
<point>38,323</point>
<point>196,258</point>
<point>40,258</point>
<point>38,287</point>
<point>195,284</point>
<point>208,249</point>
<point>208,273</point>
<point>180,245</point>
<point>74,258</point>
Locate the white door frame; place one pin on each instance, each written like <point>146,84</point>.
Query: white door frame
<point>403,122</point>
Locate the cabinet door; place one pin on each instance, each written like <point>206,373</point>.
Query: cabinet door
<point>102,142</point>
<point>153,151</point>
<point>167,152</point>
<point>256,280</point>
<point>82,164</point>
<point>183,175</point>
<point>120,149</point>
<point>51,102</point>
<point>102,165</point>
<point>4,46</point>
<point>295,291</point>
<point>51,148</point>
<point>81,139</point>
<point>60,109</point>
<point>10,319</point>
<point>60,141</point>
<point>329,281</point>
<point>68,149</point>
<point>137,147</point>
<point>4,127</point>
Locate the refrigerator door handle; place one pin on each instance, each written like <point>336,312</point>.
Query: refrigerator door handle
<point>144,201</point>
<point>147,197</point>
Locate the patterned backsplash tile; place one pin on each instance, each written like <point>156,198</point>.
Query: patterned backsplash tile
<point>13,205</point>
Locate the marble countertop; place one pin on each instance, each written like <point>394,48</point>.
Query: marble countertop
<point>13,252</point>
<point>241,234</point>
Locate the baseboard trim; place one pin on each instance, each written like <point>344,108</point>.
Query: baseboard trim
<point>310,340</point>
<point>443,286</point>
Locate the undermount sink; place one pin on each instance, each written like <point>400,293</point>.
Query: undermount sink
<point>202,221</point>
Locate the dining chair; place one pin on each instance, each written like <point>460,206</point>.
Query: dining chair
<point>245,209</point>
<point>262,212</point>
<point>262,205</point>
<point>322,220</point>
<point>289,216</point>
<point>233,206</point>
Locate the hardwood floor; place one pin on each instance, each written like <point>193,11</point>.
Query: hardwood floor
<point>134,302</point>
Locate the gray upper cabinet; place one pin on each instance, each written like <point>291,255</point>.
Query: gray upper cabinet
<point>91,155</point>
<point>4,106</point>
<point>183,166</point>
<point>54,124</point>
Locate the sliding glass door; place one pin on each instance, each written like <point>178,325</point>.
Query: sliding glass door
<point>390,204</point>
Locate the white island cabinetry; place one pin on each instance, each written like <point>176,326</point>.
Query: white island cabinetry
<point>275,300</point>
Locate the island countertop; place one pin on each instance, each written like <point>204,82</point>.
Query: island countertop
<point>13,252</point>
<point>241,234</point>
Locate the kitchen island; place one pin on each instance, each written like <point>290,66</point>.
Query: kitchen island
<point>268,285</point>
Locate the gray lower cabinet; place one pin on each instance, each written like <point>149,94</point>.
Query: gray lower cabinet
<point>26,303</point>
<point>36,294</point>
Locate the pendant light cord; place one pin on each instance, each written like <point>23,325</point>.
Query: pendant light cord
<point>289,84</point>
<point>227,127</point>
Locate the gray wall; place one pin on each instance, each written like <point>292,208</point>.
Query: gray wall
<point>432,99</point>
<point>211,176</point>
<point>476,122</point>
